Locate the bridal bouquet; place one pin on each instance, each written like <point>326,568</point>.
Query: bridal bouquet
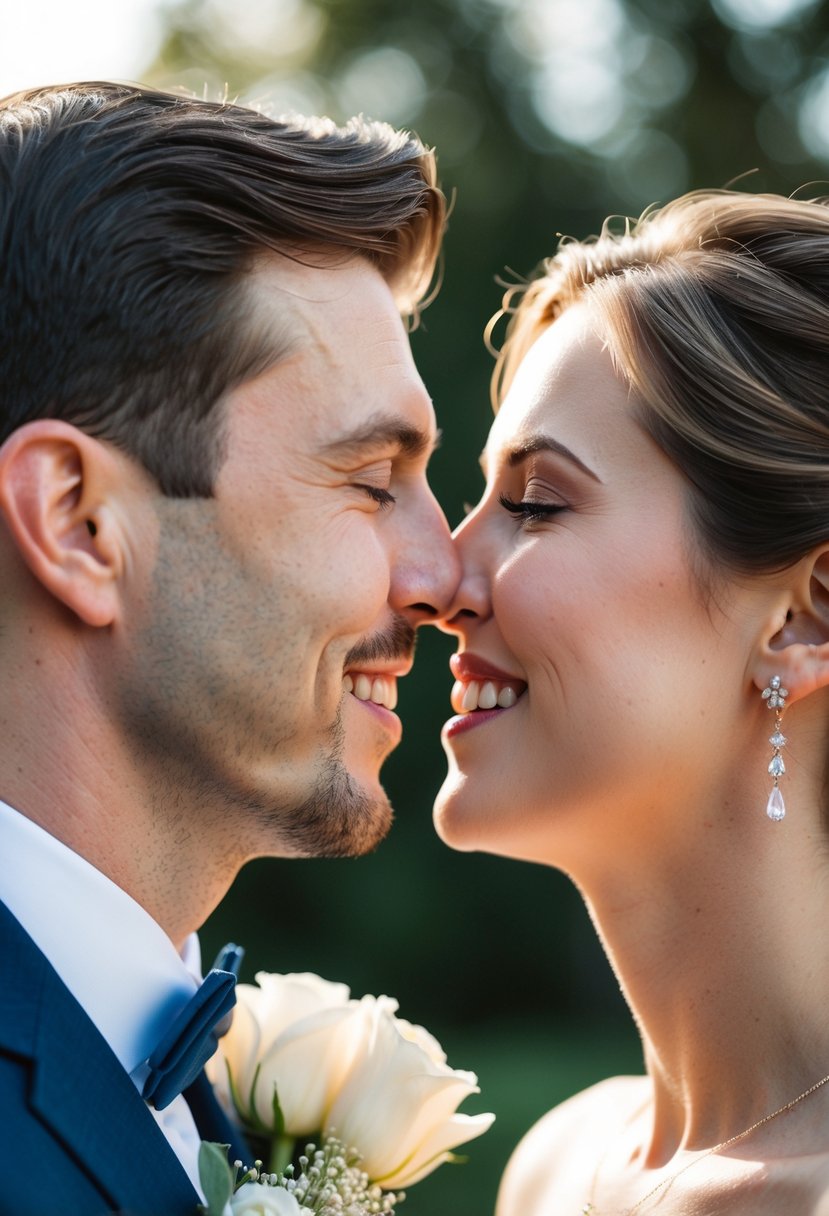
<point>303,1059</point>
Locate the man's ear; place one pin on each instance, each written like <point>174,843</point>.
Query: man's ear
<point>795,643</point>
<point>54,487</point>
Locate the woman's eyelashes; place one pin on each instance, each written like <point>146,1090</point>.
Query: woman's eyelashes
<point>529,509</point>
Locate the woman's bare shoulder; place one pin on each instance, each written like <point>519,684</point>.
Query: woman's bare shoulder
<point>556,1160</point>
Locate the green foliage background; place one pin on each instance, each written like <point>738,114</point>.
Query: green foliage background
<point>498,960</point>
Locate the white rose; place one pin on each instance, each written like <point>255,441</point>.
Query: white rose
<point>255,1200</point>
<point>300,1032</point>
<point>398,1105</point>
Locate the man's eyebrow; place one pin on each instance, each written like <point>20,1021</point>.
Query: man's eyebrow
<point>543,443</point>
<point>410,441</point>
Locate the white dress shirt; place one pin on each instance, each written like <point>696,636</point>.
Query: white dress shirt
<point>117,962</point>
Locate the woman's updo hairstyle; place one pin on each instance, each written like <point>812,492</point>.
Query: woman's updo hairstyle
<point>716,309</point>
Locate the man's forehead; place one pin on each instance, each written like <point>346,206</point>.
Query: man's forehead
<point>346,371</point>
<point>312,280</point>
<point>332,306</point>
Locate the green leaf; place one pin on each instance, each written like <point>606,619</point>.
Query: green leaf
<point>282,1152</point>
<point>215,1176</point>
<point>252,1094</point>
<point>234,1092</point>
<point>246,1109</point>
<point>278,1117</point>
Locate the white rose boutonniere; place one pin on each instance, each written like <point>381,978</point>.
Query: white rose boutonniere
<point>303,1058</point>
<point>293,1037</point>
<point>398,1104</point>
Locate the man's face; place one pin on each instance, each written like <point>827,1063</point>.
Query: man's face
<point>282,611</point>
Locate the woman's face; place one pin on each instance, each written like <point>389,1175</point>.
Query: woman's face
<point>580,605</point>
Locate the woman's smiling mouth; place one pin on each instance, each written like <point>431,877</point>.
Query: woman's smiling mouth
<point>481,691</point>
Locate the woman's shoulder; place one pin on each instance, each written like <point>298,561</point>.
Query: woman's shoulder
<point>553,1166</point>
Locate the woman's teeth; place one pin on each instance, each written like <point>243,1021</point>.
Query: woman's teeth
<point>486,694</point>
<point>382,690</point>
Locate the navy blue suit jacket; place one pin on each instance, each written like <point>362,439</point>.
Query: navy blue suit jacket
<point>75,1135</point>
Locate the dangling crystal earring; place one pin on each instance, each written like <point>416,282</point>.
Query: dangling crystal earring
<point>775,698</point>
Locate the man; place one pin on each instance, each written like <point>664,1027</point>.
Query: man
<point>216,543</point>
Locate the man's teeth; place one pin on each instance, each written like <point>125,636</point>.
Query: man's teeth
<point>485,694</point>
<point>382,690</point>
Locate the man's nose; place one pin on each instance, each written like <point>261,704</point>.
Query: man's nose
<point>427,570</point>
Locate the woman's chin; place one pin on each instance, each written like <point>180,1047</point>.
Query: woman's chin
<point>458,817</point>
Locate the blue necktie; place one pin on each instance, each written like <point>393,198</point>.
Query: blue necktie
<point>194,1035</point>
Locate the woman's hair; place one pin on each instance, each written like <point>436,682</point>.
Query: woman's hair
<point>129,220</point>
<point>716,309</point>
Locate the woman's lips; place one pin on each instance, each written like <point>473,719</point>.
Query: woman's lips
<point>481,686</point>
<point>481,692</point>
<point>467,666</point>
<point>464,722</point>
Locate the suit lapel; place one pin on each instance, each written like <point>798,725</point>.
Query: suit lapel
<point>79,1089</point>
<point>212,1122</point>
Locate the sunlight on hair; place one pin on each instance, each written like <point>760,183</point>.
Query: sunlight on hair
<point>278,95</point>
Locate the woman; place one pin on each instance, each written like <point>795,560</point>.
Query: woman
<point>642,690</point>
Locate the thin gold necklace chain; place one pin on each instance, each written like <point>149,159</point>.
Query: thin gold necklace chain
<point>590,1209</point>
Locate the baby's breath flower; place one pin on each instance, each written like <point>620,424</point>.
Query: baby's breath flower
<point>329,1182</point>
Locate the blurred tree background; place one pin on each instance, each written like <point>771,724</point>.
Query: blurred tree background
<point>547,115</point>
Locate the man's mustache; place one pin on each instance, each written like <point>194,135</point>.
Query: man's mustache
<point>396,642</point>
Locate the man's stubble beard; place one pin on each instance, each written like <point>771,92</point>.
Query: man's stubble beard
<point>190,786</point>
<point>337,819</point>
<point>170,697</point>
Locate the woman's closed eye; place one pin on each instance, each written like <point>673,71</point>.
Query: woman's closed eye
<point>530,509</point>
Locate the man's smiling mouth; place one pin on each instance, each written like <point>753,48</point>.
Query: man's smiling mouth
<point>381,688</point>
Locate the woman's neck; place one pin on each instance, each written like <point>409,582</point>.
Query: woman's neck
<point>717,957</point>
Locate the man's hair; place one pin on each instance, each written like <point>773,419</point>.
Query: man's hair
<point>129,219</point>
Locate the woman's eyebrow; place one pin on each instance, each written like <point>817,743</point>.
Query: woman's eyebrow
<point>538,443</point>
<point>546,443</point>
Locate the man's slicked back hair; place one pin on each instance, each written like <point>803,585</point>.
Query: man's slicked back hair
<point>129,219</point>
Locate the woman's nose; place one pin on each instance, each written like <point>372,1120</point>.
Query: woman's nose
<point>472,597</point>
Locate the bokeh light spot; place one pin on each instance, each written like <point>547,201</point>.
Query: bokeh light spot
<point>382,83</point>
<point>761,14</point>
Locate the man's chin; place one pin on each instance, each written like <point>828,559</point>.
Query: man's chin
<point>364,821</point>
<point>341,817</point>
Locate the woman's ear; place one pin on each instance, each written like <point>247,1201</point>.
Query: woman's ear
<point>795,643</point>
<point>55,482</point>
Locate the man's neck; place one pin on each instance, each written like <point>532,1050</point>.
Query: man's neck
<point>177,873</point>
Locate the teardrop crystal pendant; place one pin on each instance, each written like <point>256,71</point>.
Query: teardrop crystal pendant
<point>776,808</point>
<point>775,698</point>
